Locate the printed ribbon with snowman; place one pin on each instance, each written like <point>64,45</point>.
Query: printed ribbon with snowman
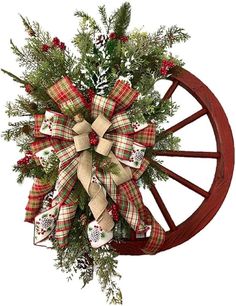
<point>70,138</point>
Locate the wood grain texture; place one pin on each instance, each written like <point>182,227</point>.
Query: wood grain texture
<point>224,168</point>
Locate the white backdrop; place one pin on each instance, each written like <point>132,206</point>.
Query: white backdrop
<point>201,271</point>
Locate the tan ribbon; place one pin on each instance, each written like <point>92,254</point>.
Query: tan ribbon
<point>100,126</point>
<point>98,202</point>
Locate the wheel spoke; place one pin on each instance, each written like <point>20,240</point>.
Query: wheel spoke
<point>187,154</point>
<point>163,208</point>
<point>170,90</point>
<point>184,122</point>
<point>181,180</point>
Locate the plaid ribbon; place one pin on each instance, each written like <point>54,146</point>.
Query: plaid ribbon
<point>102,105</point>
<point>122,145</point>
<point>62,128</point>
<point>121,124</point>
<point>123,95</point>
<point>64,93</point>
<point>138,172</point>
<point>36,196</point>
<point>127,208</point>
<point>147,136</point>
<point>121,132</point>
<point>131,191</point>
<point>65,219</point>
<point>38,120</point>
<point>39,145</point>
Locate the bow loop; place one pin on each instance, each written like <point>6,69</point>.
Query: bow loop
<point>68,98</point>
<point>123,95</point>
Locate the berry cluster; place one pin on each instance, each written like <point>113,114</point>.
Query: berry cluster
<point>114,211</point>
<point>28,88</point>
<point>25,160</point>
<point>123,38</point>
<point>93,138</point>
<point>56,43</point>
<point>165,66</point>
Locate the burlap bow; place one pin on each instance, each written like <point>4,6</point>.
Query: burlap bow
<point>70,142</point>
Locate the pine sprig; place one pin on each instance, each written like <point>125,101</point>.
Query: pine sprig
<point>14,77</point>
<point>166,37</point>
<point>88,19</point>
<point>106,265</point>
<point>122,19</point>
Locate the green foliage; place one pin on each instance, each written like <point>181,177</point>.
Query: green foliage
<point>13,76</point>
<point>104,164</point>
<point>23,107</point>
<point>106,265</point>
<point>18,129</point>
<point>31,170</point>
<point>79,258</point>
<point>122,19</point>
<point>166,37</point>
<point>47,174</point>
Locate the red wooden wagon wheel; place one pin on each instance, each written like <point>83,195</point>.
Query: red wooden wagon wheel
<point>214,197</point>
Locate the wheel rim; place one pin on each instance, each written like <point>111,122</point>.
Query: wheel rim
<point>212,199</point>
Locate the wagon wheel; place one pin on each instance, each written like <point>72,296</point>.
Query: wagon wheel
<point>214,197</point>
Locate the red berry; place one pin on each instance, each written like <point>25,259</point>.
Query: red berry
<point>45,48</point>
<point>165,66</point>
<point>114,211</point>
<point>112,35</point>
<point>93,138</point>
<point>124,38</point>
<point>28,88</point>
<point>62,46</point>
<point>56,42</point>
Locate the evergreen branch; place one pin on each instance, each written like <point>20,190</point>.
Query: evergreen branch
<point>15,49</point>
<point>103,14</point>
<point>122,19</point>
<point>167,37</point>
<point>106,265</point>
<point>14,77</point>
<point>18,129</point>
<point>26,23</point>
<point>85,17</point>
<point>106,21</point>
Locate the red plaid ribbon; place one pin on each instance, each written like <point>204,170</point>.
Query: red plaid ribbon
<point>102,105</point>
<point>123,95</point>
<point>127,208</point>
<point>39,145</point>
<point>36,196</point>
<point>147,136</point>
<point>65,219</point>
<point>121,124</point>
<point>38,120</point>
<point>64,91</point>
<point>138,172</point>
<point>122,145</point>
<point>157,237</point>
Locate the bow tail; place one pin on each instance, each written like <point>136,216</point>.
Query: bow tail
<point>157,236</point>
<point>98,202</point>
<point>65,219</point>
<point>127,208</point>
<point>38,192</point>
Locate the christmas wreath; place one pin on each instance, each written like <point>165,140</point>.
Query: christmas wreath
<point>88,125</point>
